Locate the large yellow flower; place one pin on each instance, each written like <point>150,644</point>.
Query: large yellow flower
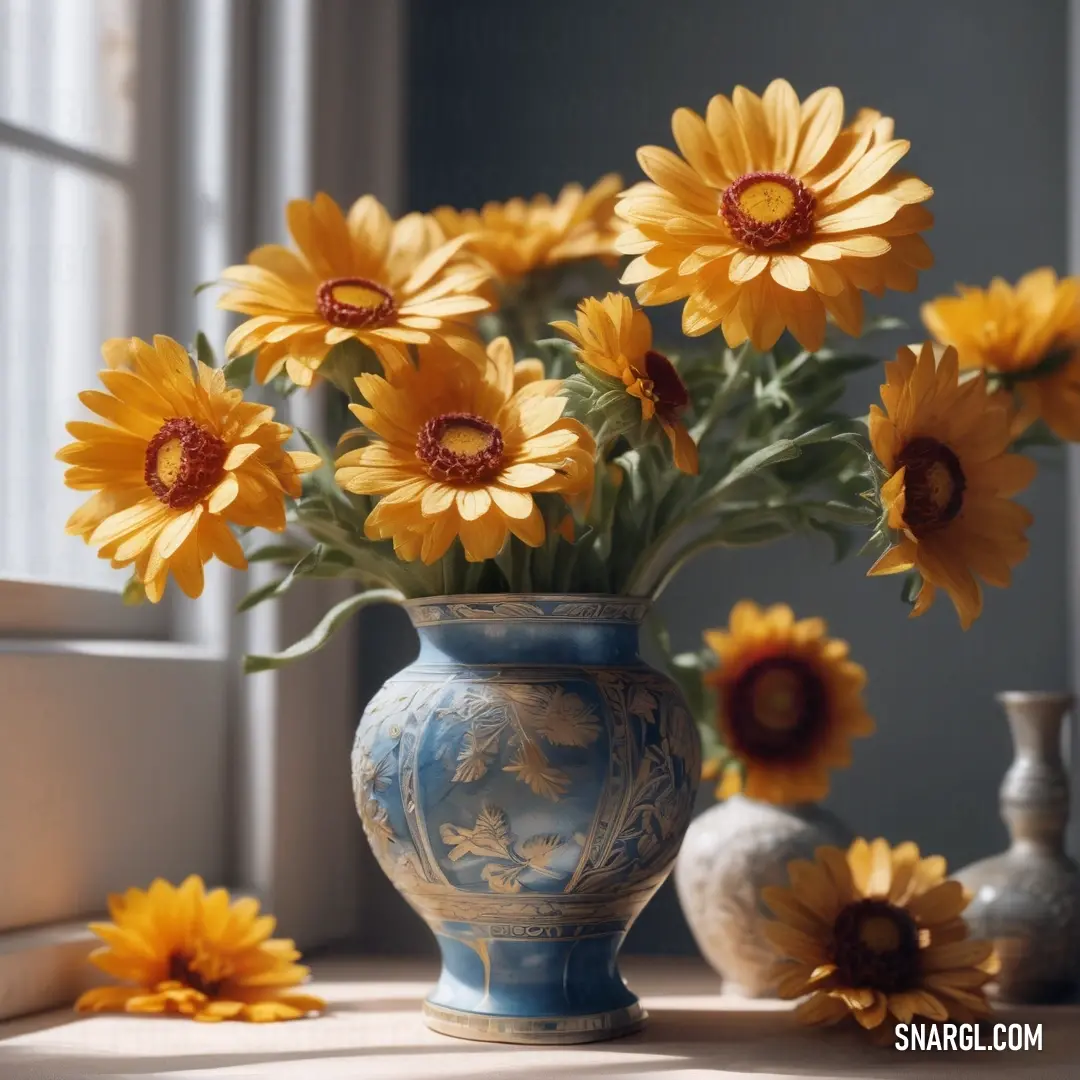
<point>518,236</point>
<point>789,702</point>
<point>363,276</point>
<point>181,457</point>
<point>1012,331</point>
<point>461,453</point>
<point>614,338</point>
<point>944,444</point>
<point>776,216</point>
<point>194,953</point>
<point>877,931</point>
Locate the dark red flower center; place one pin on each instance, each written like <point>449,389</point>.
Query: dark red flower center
<point>184,463</point>
<point>765,209</point>
<point>182,971</point>
<point>934,484</point>
<point>461,448</point>
<point>668,389</point>
<point>354,302</point>
<point>777,710</point>
<point>875,946</point>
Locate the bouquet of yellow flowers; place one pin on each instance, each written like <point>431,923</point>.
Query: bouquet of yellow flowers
<point>524,446</point>
<point>519,425</point>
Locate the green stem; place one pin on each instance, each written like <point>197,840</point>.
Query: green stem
<point>721,398</point>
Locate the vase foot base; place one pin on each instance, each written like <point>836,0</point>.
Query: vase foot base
<point>535,1030</point>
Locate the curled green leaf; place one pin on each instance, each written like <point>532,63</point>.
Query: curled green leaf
<point>305,567</point>
<point>324,630</point>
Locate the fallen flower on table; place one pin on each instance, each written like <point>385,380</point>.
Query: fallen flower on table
<point>876,933</point>
<point>197,954</point>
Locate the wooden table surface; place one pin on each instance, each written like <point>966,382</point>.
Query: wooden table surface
<point>374,1031</point>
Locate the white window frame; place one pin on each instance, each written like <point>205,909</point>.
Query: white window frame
<point>114,723</point>
<point>263,760</point>
<point>27,606</point>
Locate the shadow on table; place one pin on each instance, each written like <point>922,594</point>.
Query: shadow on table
<point>696,1041</point>
<point>19,1063</point>
<point>755,1041</point>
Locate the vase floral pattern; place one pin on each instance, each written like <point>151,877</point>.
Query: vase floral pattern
<point>526,784</point>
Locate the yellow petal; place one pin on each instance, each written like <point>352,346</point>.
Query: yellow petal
<point>957,954</point>
<point>820,1008</point>
<point>939,904</point>
<point>224,494</point>
<point>106,999</point>
<point>793,943</point>
<point>790,272</point>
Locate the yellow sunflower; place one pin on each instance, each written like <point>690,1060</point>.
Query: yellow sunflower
<point>614,338</point>
<point>944,444</point>
<point>789,702</point>
<point>1029,335</point>
<point>182,457</point>
<point>459,453</point>
<point>776,216</point>
<point>194,953</point>
<point>518,236</point>
<point>359,276</point>
<point>874,932</point>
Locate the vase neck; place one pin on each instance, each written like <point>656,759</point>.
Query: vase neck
<point>1035,791</point>
<point>586,630</point>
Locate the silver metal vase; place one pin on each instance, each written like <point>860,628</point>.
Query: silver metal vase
<point>731,852</point>
<point>1027,900</point>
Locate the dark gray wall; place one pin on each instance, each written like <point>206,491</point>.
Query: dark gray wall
<point>513,98</point>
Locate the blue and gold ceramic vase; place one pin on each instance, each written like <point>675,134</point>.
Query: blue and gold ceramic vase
<point>526,784</point>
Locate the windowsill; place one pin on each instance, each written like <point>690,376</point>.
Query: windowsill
<point>373,1029</point>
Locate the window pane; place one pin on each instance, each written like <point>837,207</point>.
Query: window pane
<point>67,70</point>
<point>64,287</point>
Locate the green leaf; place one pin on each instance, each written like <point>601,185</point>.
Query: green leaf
<point>610,399</point>
<point>841,364</point>
<point>515,561</point>
<point>599,380</point>
<point>204,351</point>
<point>752,535</point>
<point>238,372</point>
<point>332,621</point>
<point>854,438</point>
<point>823,433</point>
<point>134,594</point>
<point>306,566</point>
<point>880,541</point>
<point>322,479</point>
<point>909,590</point>
<point>276,553</point>
<point>841,538</point>
<point>264,592</point>
<point>782,450</point>
<point>345,361</point>
<point>203,286</point>
<point>558,356</point>
<point>842,513</point>
<point>282,385</point>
